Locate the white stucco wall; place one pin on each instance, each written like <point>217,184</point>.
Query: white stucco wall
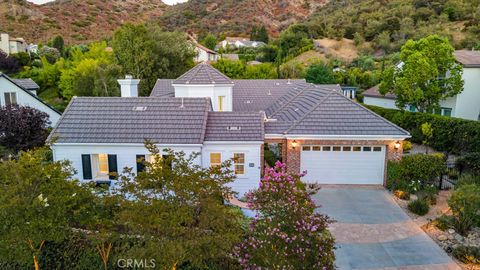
<point>26,99</point>
<point>204,56</point>
<point>253,165</point>
<point>126,157</point>
<point>380,102</point>
<point>212,91</point>
<point>468,102</point>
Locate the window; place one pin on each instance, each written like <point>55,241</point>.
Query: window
<point>102,164</point>
<point>221,101</point>
<point>306,148</point>
<point>10,98</point>
<point>446,111</point>
<point>377,149</point>
<point>239,161</point>
<point>412,108</point>
<point>347,148</point>
<point>327,148</point>
<point>337,148</point>
<point>316,148</point>
<point>357,149</point>
<point>215,159</point>
<point>367,149</point>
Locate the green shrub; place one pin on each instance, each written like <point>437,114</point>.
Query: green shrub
<point>469,163</point>
<point>402,194</point>
<point>429,194</point>
<point>444,222</point>
<point>407,146</point>
<point>450,134</point>
<point>413,168</point>
<point>465,205</point>
<point>419,207</point>
<point>467,179</point>
<point>467,254</point>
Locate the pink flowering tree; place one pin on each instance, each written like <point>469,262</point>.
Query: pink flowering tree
<point>286,233</point>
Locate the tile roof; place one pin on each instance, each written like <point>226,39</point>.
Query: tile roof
<point>27,83</point>
<point>336,114</point>
<point>203,73</point>
<point>374,92</point>
<point>468,58</point>
<point>131,120</point>
<point>163,88</point>
<point>235,126</point>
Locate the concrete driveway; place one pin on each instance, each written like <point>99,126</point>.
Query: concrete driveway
<point>373,232</point>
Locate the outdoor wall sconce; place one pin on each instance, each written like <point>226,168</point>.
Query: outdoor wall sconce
<point>397,145</point>
<point>294,144</point>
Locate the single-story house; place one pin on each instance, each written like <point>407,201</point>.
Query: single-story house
<point>465,105</point>
<point>312,128</point>
<point>24,92</point>
<point>239,42</point>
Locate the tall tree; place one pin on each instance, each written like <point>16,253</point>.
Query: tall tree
<point>319,74</point>
<point>427,75</point>
<point>210,41</point>
<point>148,53</point>
<point>262,34</point>
<point>58,43</point>
<point>22,128</point>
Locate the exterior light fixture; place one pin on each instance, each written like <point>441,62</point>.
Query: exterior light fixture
<point>294,144</point>
<point>397,145</point>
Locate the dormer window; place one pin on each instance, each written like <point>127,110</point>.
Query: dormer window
<point>10,98</point>
<point>233,128</point>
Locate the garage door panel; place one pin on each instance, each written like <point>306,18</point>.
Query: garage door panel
<point>343,167</point>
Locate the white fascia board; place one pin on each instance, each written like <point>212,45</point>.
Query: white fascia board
<point>339,137</point>
<point>232,142</point>
<point>125,144</point>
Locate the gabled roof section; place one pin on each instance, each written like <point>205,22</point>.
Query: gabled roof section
<point>375,92</point>
<point>235,126</point>
<point>27,83</point>
<point>203,73</point>
<point>132,120</point>
<point>340,116</point>
<point>469,59</point>
<point>28,92</point>
<point>163,88</point>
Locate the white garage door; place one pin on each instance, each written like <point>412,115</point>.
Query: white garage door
<point>343,164</point>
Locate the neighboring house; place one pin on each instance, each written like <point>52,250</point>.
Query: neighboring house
<point>12,45</point>
<point>309,127</point>
<point>239,42</point>
<point>23,92</point>
<point>465,105</point>
<point>204,54</point>
<point>349,91</point>
<point>230,56</point>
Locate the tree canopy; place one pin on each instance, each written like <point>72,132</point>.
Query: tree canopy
<point>22,128</point>
<point>148,53</point>
<point>427,74</point>
<point>320,74</point>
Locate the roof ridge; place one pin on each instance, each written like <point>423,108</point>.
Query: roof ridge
<point>205,122</point>
<point>374,113</point>
<point>296,122</point>
<point>288,102</point>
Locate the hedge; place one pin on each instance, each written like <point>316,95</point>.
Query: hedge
<point>452,135</point>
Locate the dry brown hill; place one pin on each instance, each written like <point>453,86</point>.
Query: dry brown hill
<point>237,17</point>
<point>78,21</point>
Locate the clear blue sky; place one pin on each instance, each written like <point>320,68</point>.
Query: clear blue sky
<point>170,2</point>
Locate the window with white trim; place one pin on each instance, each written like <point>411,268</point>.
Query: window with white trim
<point>239,163</point>
<point>215,159</point>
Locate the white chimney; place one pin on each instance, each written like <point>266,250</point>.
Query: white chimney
<point>129,86</point>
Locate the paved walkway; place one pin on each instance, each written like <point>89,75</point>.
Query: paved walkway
<point>373,232</point>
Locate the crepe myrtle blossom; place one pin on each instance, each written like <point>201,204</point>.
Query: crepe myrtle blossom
<point>286,233</point>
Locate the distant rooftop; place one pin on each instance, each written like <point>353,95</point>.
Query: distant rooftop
<point>27,83</point>
<point>468,58</point>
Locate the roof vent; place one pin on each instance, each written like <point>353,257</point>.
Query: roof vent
<point>289,82</point>
<point>277,83</point>
<point>139,109</point>
<point>182,105</point>
<point>269,93</point>
<point>296,109</point>
<point>234,128</point>
<point>248,101</point>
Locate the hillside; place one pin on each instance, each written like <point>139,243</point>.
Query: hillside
<point>237,17</point>
<point>78,21</point>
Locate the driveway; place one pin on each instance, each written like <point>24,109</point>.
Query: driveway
<point>373,232</point>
